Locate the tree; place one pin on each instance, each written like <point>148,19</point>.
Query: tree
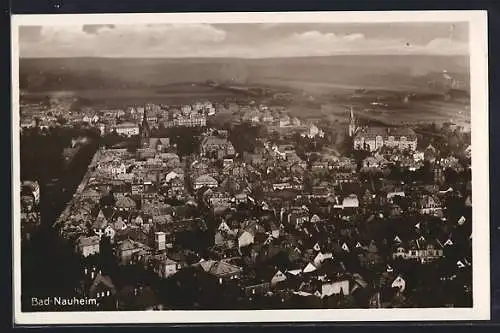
<point>61,120</point>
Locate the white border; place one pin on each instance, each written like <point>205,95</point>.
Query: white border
<point>480,180</point>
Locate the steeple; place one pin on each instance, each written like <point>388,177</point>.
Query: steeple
<point>352,123</point>
<point>145,132</point>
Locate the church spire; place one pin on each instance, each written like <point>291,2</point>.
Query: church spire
<point>145,132</point>
<point>352,123</point>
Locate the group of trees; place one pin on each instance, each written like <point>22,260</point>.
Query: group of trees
<point>244,137</point>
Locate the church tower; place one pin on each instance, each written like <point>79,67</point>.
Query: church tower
<point>145,131</point>
<point>352,124</point>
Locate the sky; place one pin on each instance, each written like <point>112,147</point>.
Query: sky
<point>251,40</point>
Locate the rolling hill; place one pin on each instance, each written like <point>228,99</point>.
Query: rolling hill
<point>312,74</point>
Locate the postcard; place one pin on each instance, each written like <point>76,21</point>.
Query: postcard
<point>250,167</point>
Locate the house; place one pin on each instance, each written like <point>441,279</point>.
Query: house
<point>421,249</point>
<point>399,283</point>
<point>166,267</point>
<point>376,162</point>
<point>351,201</point>
<point>225,239</point>
<point>257,288</point>
<point>374,138</point>
<point>296,121</point>
<point>245,238</point>
<point>120,222</point>
<point>267,117</point>
<point>275,230</point>
<point>100,223</point>
<point>127,129</point>
<point>392,195</point>
<point>315,218</point>
<point>429,205</point>
<point>124,202</point>
<point>297,219</point>
<point>240,198</point>
<point>171,160</point>
<point>173,175</point>
<point>176,188</point>
<point>319,166</point>
<point>139,298</point>
<point>282,186</point>
<point>205,180</point>
<point>309,268</point>
<point>277,278</point>
<point>224,227</point>
<point>430,153</point>
<point>110,232</point>
<point>321,257</point>
<point>336,287</point>
<point>468,151</point>
<point>127,248</point>
<point>216,146</point>
<point>87,246</point>
<point>159,144</point>
<point>284,121</point>
<point>320,192</point>
<point>297,169</point>
<point>102,288</point>
<point>222,270</point>
<point>91,194</point>
<point>312,132</point>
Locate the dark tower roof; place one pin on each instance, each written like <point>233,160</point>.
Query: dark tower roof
<point>145,131</point>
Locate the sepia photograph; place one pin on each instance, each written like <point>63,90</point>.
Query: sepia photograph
<point>250,167</point>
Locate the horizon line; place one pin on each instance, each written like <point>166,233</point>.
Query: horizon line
<point>247,58</point>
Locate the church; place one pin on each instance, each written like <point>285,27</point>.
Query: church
<point>373,138</point>
<point>145,139</point>
<point>145,131</point>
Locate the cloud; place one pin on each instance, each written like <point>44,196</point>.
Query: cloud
<point>29,33</point>
<point>205,40</point>
<point>95,28</point>
<point>318,43</point>
<point>448,45</point>
<point>121,40</point>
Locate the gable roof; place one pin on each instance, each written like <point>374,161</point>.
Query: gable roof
<point>88,241</point>
<point>124,201</point>
<point>222,268</point>
<point>101,279</point>
<point>101,221</point>
<point>206,265</point>
<point>206,179</point>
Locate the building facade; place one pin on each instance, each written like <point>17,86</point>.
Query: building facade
<point>374,138</point>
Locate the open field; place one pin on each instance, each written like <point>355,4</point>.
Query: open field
<point>110,97</point>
